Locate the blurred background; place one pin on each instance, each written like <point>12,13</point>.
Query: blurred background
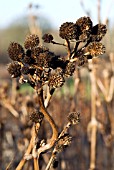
<point>19,18</point>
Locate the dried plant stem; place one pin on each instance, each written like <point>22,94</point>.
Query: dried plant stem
<point>33,26</point>
<point>67,43</point>
<point>76,80</point>
<point>99,10</point>
<point>32,146</point>
<point>8,106</point>
<point>34,151</point>
<point>13,97</point>
<point>22,162</point>
<point>9,165</point>
<point>51,122</point>
<point>48,98</point>
<point>108,93</point>
<point>64,131</point>
<point>101,86</point>
<point>36,166</point>
<point>50,162</point>
<point>53,42</point>
<point>35,130</point>
<point>93,119</point>
<point>93,148</point>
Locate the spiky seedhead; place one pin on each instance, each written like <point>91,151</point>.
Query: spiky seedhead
<point>44,59</point>
<point>31,41</point>
<point>47,38</point>
<point>68,30</point>
<point>36,116</point>
<point>84,24</point>
<point>70,68</point>
<point>14,69</point>
<point>56,80</point>
<point>74,118</point>
<point>94,49</point>
<point>15,51</point>
<point>98,32</point>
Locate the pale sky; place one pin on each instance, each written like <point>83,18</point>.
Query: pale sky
<point>57,11</point>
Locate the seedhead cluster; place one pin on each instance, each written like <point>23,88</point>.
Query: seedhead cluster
<point>37,65</point>
<point>41,66</point>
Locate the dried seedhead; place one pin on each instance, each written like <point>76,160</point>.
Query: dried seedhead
<point>95,49</point>
<point>68,30</point>
<point>74,118</point>
<point>31,41</point>
<point>47,38</point>
<point>14,69</point>
<point>36,116</point>
<point>15,51</point>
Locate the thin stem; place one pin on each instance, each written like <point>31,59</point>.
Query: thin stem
<point>53,42</point>
<point>7,105</point>
<point>13,97</point>
<point>36,166</point>
<point>50,162</point>
<point>48,98</point>
<point>22,162</point>
<point>75,48</point>
<point>9,165</point>
<point>51,122</point>
<point>99,10</point>
<point>93,119</point>
<point>68,47</point>
<point>65,130</point>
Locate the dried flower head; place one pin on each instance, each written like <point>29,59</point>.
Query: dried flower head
<point>62,143</point>
<point>98,32</point>
<point>84,24</point>
<point>70,68</point>
<point>68,30</point>
<point>47,38</point>
<point>74,118</point>
<point>44,59</point>
<point>14,69</point>
<point>95,49</point>
<point>36,116</point>
<point>15,51</point>
<point>56,80</point>
<point>31,41</point>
